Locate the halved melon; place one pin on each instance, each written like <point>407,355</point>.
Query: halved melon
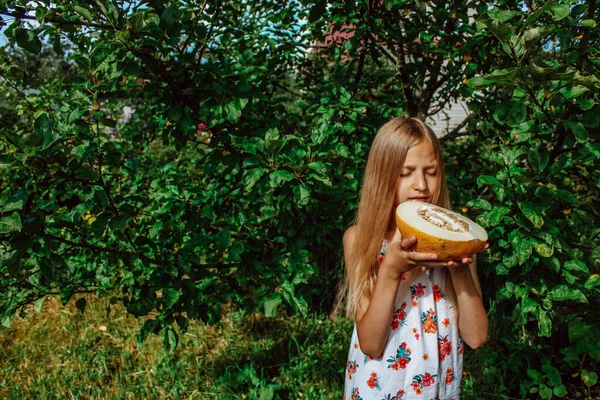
<point>438,230</point>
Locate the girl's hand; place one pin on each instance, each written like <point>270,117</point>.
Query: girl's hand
<point>466,260</point>
<point>400,258</point>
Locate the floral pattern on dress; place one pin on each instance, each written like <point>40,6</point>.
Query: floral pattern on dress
<point>450,376</point>
<point>355,394</point>
<point>422,380</point>
<point>429,320</point>
<point>398,396</point>
<point>373,381</point>
<point>438,294</point>
<point>402,358</point>
<point>423,341</point>
<point>444,347</point>
<point>352,366</point>
<point>399,317</point>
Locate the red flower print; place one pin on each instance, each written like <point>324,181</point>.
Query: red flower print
<point>402,358</point>
<point>449,376</point>
<point>373,381</point>
<point>404,276</point>
<point>428,380</point>
<point>438,295</point>
<point>420,292</point>
<point>444,347</point>
<point>425,356</point>
<point>446,322</point>
<point>399,317</point>
<point>381,259</point>
<point>416,333</point>
<point>352,365</point>
<point>400,393</point>
<point>418,391</point>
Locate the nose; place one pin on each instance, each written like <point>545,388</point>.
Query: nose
<point>420,182</point>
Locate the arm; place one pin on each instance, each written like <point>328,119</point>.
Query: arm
<point>472,321</point>
<point>374,315</point>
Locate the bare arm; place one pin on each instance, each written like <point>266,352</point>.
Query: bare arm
<point>374,316</point>
<point>472,321</point>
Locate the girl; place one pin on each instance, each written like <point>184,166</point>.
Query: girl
<point>408,339</point>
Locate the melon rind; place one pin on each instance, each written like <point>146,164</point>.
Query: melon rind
<point>465,244</point>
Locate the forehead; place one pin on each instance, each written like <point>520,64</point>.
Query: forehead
<point>422,153</point>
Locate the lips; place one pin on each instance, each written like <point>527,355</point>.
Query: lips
<point>420,198</point>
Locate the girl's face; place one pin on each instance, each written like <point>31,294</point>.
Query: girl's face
<point>418,178</point>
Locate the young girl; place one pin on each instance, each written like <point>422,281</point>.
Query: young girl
<point>408,338</point>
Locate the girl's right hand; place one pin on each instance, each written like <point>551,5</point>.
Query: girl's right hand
<point>400,258</point>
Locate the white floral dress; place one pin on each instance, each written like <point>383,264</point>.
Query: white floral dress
<point>423,357</point>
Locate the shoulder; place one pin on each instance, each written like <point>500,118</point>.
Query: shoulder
<point>350,235</point>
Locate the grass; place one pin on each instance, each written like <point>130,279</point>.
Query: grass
<point>62,353</point>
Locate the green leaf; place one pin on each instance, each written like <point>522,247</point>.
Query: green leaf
<point>576,265</point>
<point>233,111</point>
<point>545,392</point>
<point>560,11</point>
<point>581,134</point>
<point>573,92</point>
<point>585,104</point>
<point>497,76</point>
<point>271,135</point>
<point>489,180</point>
<point>10,223</point>
<point>223,239</point>
<point>544,323</point>
<point>589,23</point>
<point>502,15</point>
<point>271,303</point>
<point>538,160</point>
<point>511,113</point>
<point>251,176</point>
<point>83,12</point>
<point>170,339</point>
<point>537,14</point>
<point>564,293</point>
<point>532,213</point>
<point>28,40</point>
<point>560,390</point>
<point>170,296</point>
<point>592,282</point>
<point>14,202</point>
<point>279,177</point>
<point>298,304</point>
<point>521,247</point>
<point>589,378</point>
<point>301,194</point>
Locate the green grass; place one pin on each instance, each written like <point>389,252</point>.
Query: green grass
<point>62,353</point>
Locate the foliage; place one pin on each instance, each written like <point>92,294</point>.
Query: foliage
<point>233,179</point>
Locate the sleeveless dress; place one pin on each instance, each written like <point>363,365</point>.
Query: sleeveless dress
<point>423,357</point>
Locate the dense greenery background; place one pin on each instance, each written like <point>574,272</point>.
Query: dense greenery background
<point>191,159</point>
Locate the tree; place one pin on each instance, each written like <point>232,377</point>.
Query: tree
<point>235,177</point>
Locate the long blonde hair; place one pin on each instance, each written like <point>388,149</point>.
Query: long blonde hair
<point>386,158</point>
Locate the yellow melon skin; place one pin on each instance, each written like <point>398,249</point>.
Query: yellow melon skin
<point>446,250</point>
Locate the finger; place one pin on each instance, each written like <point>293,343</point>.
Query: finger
<point>417,257</point>
<point>487,246</point>
<point>408,242</point>
<point>466,260</point>
<point>433,264</point>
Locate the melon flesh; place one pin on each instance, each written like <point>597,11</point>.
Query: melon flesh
<point>438,230</point>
